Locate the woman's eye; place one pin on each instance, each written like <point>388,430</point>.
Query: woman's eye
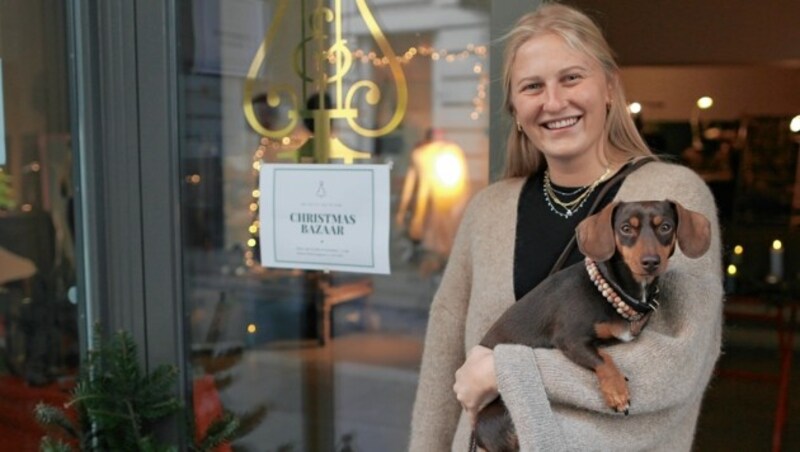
<point>532,87</point>
<point>571,78</point>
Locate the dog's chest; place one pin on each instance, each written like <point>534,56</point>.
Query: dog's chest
<point>620,329</point>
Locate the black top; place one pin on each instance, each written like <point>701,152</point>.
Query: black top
<point>542,234</point>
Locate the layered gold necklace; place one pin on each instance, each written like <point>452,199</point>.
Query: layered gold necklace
<point>569,208</point>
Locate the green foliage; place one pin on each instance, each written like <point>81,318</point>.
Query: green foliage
<point>117,405</point>
<point>219,432</point>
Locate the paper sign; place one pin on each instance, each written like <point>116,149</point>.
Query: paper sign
<point>325,217</point>
<point>2,120</point>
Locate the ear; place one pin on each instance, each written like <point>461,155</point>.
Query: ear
<point>596,235</point>
<point>694,231</point>
<point>612,82</point>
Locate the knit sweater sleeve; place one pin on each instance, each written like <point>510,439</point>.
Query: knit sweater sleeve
<point>436,411</point>
<point>670,364</point>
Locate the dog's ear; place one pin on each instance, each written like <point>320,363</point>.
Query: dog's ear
<point>596,234</point>
<point>694,231</point>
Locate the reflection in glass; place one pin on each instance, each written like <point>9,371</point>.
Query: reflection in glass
<point>39,350</point>
<point>314,360</point>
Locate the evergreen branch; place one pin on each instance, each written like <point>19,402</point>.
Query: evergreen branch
<point>221,431</point>
<point>49,444</point>
<point>49,415</point>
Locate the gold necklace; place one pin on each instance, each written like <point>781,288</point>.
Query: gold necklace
<point>570,207</point>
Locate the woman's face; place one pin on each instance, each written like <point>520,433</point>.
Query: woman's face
<point>559,97</point>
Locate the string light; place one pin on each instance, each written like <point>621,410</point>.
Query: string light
<point>471,50</point>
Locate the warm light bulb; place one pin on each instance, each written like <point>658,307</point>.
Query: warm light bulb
<point>705,102</point>
<point>738,249</point>
<point>251,328</point>
<point>635,108</point>
<point>251,243</point>
<point>794,126</point>
<point>776,245</point>
<point>448,169</point>
<point>732,270</point>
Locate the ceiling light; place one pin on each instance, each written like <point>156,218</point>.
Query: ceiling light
<point>705,102</point>
<point>794,126</point>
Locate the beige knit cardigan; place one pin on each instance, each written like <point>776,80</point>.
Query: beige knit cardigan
<point>555,404</point>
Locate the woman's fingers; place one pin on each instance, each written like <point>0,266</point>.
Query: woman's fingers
<point>476,383</point>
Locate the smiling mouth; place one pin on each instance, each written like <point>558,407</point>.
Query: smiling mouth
<point>561,123</point>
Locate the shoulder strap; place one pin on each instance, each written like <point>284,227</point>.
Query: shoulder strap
<point>629,167</point>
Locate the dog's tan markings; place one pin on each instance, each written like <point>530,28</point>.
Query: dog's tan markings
<point>604,330</point>
<point>613,330</point>
<point>630,255</point>
<point>634,222</point>
<point>657,220</point>
<point>612,384</point>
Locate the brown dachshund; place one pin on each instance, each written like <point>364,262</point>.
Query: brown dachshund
<point>606,298</point>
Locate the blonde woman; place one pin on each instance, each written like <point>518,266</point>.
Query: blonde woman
<point>572,133</point>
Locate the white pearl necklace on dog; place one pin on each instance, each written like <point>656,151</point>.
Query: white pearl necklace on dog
<point>627,312</point>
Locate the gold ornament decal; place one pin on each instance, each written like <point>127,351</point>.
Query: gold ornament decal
<point>331,61</point>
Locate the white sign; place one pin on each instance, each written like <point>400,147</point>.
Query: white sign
<point>325,217</point>
<point>2,120</point>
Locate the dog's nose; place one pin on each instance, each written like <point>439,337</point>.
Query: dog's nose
<point>651,263</point>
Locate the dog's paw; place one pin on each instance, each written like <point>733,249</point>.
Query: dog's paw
<point>615,392</point>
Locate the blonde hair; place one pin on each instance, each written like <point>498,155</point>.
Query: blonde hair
<point>582,34</point>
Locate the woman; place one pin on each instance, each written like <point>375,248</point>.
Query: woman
<point>571,134</point>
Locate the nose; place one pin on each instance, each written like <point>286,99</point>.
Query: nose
<point>554,98</point>
<point>650,263</point>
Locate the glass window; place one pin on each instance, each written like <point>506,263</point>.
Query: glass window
<point>311,359</point>
<point>39,350</point>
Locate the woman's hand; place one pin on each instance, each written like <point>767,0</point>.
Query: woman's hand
<point>476,382</point>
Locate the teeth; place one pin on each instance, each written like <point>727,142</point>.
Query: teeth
<point>561,123</point>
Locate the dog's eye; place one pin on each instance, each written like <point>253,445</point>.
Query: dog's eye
<point>665,228</point>
<point>626,228</point>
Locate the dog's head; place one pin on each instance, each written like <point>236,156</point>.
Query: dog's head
<point>644,234</point>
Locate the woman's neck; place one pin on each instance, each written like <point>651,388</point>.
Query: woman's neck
<point>580,170</point>
<point>575,175</point>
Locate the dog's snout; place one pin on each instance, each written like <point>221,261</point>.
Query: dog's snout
<point>650,263</point>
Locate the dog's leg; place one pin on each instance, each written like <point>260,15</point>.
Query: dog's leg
<point>612,383</point>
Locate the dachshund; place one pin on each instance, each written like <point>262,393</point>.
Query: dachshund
<point>607,298</point>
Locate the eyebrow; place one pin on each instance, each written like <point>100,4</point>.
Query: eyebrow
<point>566,70</point>
<point>576,67</point>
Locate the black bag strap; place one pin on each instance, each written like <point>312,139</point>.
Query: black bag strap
<point>629,167</point>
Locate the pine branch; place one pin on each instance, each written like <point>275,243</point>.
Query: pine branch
<point>53,445</point>
<point>117,403</point>
<point>221,431</point>
<point>48,415</point>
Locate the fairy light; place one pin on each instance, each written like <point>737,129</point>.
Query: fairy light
<point>446,55</point>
